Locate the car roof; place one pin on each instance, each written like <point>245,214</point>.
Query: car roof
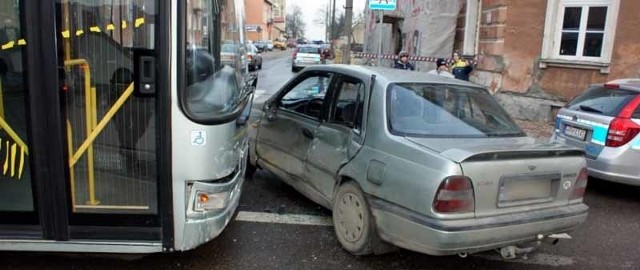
<point>390,75</point>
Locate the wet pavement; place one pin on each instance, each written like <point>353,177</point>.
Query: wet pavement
<point>608,240</point>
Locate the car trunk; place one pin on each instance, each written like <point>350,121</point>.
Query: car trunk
<point>512,175</point>
<point>584,130</point>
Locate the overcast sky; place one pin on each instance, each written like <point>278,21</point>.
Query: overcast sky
<point>311,13</point>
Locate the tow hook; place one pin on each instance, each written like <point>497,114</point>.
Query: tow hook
<point>512,252</point>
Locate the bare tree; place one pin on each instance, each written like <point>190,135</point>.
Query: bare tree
<point>295,24</point>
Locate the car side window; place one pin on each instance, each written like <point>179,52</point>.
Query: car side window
<point>307,96</point>
<point>349,103</point>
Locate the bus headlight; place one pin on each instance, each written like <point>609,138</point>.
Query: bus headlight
<point>210,201</point>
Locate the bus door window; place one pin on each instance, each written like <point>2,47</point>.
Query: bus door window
<point>15,177</point>
<point>115,171</point>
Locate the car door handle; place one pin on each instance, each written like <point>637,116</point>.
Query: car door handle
<point>307,133</point>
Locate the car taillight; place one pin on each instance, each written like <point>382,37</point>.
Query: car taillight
<point>249,57</point>
<point>455,195</point>
<point>621,132</point>
<point>622,129</point>
<point>581,185</point>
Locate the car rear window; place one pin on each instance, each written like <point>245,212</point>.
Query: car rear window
<point>603,101</point>
<point>442,110</point>
<point>308,50</point>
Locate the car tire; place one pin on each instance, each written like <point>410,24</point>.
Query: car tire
<point>353,221</point>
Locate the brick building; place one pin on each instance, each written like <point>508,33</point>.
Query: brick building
<point>533,55</point>
<point>259,19</point>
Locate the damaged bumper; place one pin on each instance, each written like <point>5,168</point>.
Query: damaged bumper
<point>420,233</point>
<point>211,205</point>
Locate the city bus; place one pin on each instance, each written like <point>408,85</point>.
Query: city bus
<point>122,129</point>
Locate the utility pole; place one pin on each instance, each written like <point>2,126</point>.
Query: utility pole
<point>333,24</point>
<point>346,56</point>
<point>326,21</point>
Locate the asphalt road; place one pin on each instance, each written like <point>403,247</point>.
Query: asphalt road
<point>299,237</point>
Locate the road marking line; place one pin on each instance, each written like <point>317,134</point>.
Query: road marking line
<point>284,218</point>
<point>534,259</point>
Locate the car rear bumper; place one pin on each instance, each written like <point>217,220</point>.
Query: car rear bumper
<point>610,172</point>
<point>420,233</point>
<point>302,64</point>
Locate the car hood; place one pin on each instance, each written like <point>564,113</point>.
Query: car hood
<point>462,149</point>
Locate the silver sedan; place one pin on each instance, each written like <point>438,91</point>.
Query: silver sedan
<point>425,163</point>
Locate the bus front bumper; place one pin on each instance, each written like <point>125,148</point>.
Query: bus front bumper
<point>206,221</point>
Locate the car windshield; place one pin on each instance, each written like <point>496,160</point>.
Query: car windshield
<point>440,110</point>
<point>308,50</point>
<point>601,100</point>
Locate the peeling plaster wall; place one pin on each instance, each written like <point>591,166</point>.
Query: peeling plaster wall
<point>425,28</point>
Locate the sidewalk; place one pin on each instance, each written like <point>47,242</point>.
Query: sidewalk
<point>538,130</point>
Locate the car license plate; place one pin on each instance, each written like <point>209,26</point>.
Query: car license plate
<point>574,132</point>
<point>526,189</point>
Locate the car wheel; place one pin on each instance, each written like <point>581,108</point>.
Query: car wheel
<point>352,220</point>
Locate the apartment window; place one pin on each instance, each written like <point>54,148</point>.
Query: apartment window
<point>580,32</point>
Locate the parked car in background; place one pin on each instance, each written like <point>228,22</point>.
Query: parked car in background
<point>291,43</point>
<point>278,44</point>
<point>260,45</point>
<point>304,56</point>
<point>269,45</point>
<point>254,58</point>
<point>423,162</point>
<point>605,122</point>
<point>228,54</point>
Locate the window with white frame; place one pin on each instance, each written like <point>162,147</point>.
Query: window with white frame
<point>580,30</point>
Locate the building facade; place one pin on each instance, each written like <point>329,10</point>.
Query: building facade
<point>259,19</point>
<point>279,20</point>
<point>533,55</point>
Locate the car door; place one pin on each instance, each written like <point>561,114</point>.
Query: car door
<point>292,117</point>
<point>337,139</point>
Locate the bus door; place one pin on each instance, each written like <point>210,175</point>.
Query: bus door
<point>109,104</point>
<point>83,132</point>
<point>17,199</point>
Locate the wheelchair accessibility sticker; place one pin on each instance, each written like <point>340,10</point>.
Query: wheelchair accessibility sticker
<point>198,138</point>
